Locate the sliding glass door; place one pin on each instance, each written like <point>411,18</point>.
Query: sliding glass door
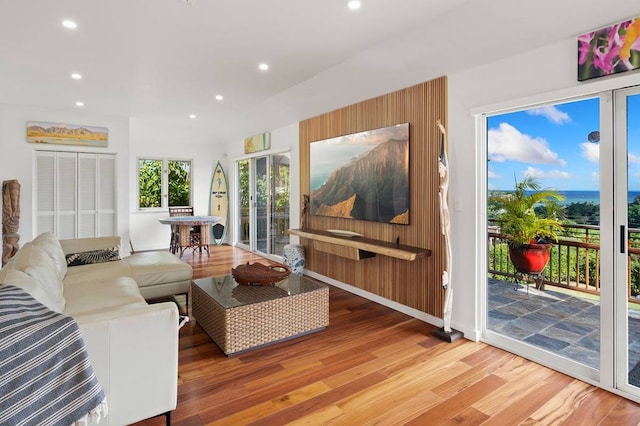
<point>627,246</point>
<point>263,203</point>
<point>581,313</point>
<point>243,204</point>
<point>550,312</point>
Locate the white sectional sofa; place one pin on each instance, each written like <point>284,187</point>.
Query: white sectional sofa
<point>132,345</point>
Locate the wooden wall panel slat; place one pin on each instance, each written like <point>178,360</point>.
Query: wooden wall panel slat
<point>415,284</point>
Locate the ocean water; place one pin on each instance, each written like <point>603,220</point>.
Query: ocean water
<point>590,196</point>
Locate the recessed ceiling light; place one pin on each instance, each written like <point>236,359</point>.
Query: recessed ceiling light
<point>263,67</point>
<point>80,103</point>
<point>69,24</point>
<point>219,97</point>
<point>354,4</point>
<point>76,76</point>
<point>192,116</point>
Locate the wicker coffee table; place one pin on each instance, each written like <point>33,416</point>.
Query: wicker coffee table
<point>238,317</point>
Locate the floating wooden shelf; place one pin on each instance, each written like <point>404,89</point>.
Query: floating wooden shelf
<point>342,251</point>
<point>357,248</point>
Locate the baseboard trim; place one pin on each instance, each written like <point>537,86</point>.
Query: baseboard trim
<point>423,316</point>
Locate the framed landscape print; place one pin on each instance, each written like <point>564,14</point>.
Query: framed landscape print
<point>67,134</point>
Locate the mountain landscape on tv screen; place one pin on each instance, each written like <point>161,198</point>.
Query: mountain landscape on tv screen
<point>373,186</point>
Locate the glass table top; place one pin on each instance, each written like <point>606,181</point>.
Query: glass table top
<point>229,294</point>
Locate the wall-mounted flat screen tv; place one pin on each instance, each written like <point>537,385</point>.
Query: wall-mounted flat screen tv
<point>362,176</point>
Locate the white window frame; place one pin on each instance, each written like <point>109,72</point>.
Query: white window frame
<point>164,192</point>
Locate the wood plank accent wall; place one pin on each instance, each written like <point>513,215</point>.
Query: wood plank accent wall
<point>417,284</point>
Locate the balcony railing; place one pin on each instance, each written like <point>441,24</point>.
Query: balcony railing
<point>574,263</point>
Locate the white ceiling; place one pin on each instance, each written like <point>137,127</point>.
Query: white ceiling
<point>162,60</point>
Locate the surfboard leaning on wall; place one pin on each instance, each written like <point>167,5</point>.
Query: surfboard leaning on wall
<point>219,204</point>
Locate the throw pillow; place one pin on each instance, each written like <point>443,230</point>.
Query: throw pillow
<point>50,244</point>
<point>94,256</point>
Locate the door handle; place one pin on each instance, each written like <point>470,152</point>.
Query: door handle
<point>623,239</point>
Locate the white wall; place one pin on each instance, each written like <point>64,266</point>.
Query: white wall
<point>17,156</point>
<point>131,139</point>
<point>180,141</point>
<point>282,139</point>
<point>544,74</point>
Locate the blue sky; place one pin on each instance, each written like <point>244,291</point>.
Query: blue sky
<point>551,144</point>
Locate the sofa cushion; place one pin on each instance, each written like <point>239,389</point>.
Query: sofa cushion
<point>50,244</point>
<point>93,256</point>
<point>101,295</point>
<point>85,273</point>
<point>157,267</point>
<point>29,284</point>
<point>36,263</point>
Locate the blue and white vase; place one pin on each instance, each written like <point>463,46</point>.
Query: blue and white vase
<point>293,255</point>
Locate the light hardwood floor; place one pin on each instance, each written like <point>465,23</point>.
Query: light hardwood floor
<point>373,365</point>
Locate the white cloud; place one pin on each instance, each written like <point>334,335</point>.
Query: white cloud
<point>590,151</point>
<point>553,174</point>
<point>551,113</point>
<point>534,173</point>
<point>558,174</point>
<point>508,143</point>
<point>493,175</point>
<point>595,176</point>
<point>633,158</point>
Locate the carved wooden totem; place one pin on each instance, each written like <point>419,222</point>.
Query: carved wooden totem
<point>10,219</point>
<point>305,212</point>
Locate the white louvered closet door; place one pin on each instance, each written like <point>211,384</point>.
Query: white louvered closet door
<point>76,194</point>
<point>66,179</point>
<point>45,191</point>
<point>107,195</point>
<point>87,195</point>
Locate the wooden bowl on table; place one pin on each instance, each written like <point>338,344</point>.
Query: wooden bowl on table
<point>259,274</point>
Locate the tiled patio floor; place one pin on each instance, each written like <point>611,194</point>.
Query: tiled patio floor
<point>555,321</point>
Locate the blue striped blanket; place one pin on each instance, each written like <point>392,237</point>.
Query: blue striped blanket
<point>45,374</point>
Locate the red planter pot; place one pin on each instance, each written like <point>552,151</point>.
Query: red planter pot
<point>530,258</point>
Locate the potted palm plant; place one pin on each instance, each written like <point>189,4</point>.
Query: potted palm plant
<point>530,235</point>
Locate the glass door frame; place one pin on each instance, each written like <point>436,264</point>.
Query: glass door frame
<point>608,189</point>
<point>238,208</point>
<point>253,202</point>
<point>262,207</point>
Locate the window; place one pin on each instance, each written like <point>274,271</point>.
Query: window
<point>163,183</point>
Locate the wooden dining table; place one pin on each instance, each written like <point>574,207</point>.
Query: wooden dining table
<point>183,225</point>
